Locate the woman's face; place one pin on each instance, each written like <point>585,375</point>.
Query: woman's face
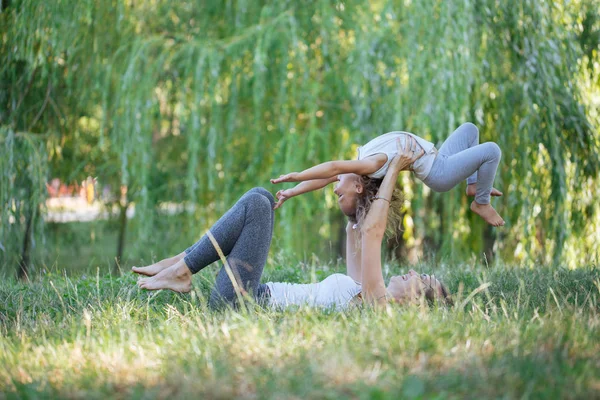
<point>410,286</point>
<point>347,189</point>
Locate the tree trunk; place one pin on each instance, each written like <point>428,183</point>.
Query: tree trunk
<point>121,238</point>
<point>489,238</point>
<point>4,4</point>
<point>341,245</point>
<point>24,261</point>
<point>397,247</point>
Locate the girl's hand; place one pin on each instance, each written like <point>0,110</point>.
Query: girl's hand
<point>282,196</point>
<point>407,155</point>
<point>291,177</point>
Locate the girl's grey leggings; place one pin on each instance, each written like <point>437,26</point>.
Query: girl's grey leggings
<point>244,235</point>
<point>462,157</point>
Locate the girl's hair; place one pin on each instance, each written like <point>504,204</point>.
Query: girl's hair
<point>365,199</point>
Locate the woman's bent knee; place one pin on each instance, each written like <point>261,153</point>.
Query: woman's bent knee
<point>264,192</point>
<point>258,203</point>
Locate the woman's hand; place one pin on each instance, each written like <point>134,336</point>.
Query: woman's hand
<point>407,155</point>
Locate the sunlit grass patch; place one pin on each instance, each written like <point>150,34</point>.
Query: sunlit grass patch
<point>526,333</point>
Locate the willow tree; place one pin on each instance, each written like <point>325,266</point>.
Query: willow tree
<point>195,102</point>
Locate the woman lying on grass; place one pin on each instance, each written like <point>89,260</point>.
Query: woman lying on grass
<point>244,236</point>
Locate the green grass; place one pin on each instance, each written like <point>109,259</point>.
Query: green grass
<point>533,333</point>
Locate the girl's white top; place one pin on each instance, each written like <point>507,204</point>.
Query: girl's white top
<point>386,144</point>
<point>335,291</point>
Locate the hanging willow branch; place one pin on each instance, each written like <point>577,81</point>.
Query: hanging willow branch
<point>197,102</point>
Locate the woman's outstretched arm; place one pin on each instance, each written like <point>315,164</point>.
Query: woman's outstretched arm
<point>373,229</point>
<point>331,169</point>
<point>353,259</point>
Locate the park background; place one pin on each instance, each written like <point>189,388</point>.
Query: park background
<point>168,111</point>
<point>191,104</point>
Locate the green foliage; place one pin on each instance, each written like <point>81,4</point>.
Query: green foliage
<point>196,102</point>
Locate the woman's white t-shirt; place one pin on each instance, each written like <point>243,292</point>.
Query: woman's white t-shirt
<point>335,291</point>
<point>386,144</point>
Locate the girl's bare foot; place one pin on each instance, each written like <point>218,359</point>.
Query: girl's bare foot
<point>177,278</point>
<point>472,190</point>
<point>487,212</point>
<point>155,268</point>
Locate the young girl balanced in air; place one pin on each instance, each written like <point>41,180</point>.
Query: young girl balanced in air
<point>460,157</point>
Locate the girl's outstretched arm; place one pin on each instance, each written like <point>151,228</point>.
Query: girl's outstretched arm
<point>304,187</point>
<point>331,169</point>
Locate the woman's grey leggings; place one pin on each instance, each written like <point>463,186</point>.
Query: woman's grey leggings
<point>462,157</point>
<point>244,235</point>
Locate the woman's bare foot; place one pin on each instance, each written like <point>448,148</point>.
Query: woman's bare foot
<point>177,278</point>
<point>487,212</point>
<point>472,190</point>
<point>155,268</point>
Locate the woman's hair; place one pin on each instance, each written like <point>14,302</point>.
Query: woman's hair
<point>442,296</point>
<point>365,199</point>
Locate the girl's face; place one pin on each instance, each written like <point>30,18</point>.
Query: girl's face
<point>347,189</point>
<point>410,286</point>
